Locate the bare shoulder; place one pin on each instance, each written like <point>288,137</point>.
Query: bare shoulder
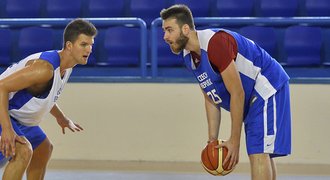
<point>40,66</point>
<point>40,63</point>
<point>39,69</point>
<point>35,72</point>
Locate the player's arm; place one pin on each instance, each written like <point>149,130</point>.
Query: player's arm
<point>234,86</point>
<point>35,72</point>
<point>57,112</point>
<point>64,121</point>
<point>213,115</point>
<point>223,60</point>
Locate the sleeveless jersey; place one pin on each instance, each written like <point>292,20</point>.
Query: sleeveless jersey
<point>258,70</point>
<point>26,108</point>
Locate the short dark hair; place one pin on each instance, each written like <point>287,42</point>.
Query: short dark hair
<point>77,27</point>
<point>181,13</point>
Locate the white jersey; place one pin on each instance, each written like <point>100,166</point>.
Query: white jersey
<point>26,108</point>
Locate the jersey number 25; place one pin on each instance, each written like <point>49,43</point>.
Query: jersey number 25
<point>214,96</point>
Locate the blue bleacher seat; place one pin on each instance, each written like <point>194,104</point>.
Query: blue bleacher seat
<point>63,8</point>
<point>5,45</point>
<point>317,7</point>
<point>326,47</point>
<point>34,39</point>
<point>302,45</point>
<point>106,8</point>
<point>123,46</point>
<point>265,37</point>
<point>279,8</point>
<point>327,61</point>
<point>2,8</point>
<point>234,8</point>
<point>21,8</point>
<point>165,56</point>
<point>197,7</point>
<point>148,10</point>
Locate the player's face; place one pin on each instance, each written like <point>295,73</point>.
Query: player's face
<point>82,48</point>
<point>173,36</point>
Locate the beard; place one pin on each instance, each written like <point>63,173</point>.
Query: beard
<point>181,43</point>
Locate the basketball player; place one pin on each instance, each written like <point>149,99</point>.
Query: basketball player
<point>28,91</point>
<point>237,75</point>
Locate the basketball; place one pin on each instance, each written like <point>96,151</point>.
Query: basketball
<point>212,159</point>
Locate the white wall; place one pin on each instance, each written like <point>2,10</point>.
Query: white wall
<point>166,122</point>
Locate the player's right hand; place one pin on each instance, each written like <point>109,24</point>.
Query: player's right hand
<point>7,142</point>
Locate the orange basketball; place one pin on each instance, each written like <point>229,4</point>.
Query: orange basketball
<point>212,159</point>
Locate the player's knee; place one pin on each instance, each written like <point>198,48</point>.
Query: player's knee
<point>259,158</point>
<point>24,152</point>
<point>48,146</point>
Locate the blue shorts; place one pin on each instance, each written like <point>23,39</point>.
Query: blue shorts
<point>34,134</point>
<point>268,124</point>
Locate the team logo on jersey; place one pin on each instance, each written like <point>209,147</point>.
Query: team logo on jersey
<point>204,80</point>
<point>58,93</point>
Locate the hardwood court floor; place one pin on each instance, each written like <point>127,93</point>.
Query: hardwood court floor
<point>110,170</point>
<point>108,175</point>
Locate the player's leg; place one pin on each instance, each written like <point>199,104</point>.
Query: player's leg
<point>39,161</point>
<point>42,150</point>
<point>274,169</point>
<point>282,142</point>
<point>259,139</point>
<point>261,168</point>
<point>16,166</point>
<point>268,131</point>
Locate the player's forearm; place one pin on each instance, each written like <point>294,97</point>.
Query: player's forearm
<point>56,112</point>
<point>236,111</point>
<point>213,115</point>
<point>4,116</point>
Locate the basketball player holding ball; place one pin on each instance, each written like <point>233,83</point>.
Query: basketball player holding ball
<point>237,75</point>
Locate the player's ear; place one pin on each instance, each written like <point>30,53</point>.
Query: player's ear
<point>68,45</point>
<point>185,29</point>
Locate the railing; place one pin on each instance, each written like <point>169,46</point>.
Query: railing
<point>233,21</point>
<point>218,21</point>
<point>21,22</point>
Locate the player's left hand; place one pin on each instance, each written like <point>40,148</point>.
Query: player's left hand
<point>233,152</point>
<point>67,123</point>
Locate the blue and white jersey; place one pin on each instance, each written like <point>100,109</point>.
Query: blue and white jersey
<point>258,70</point>
<point>26,108</point>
